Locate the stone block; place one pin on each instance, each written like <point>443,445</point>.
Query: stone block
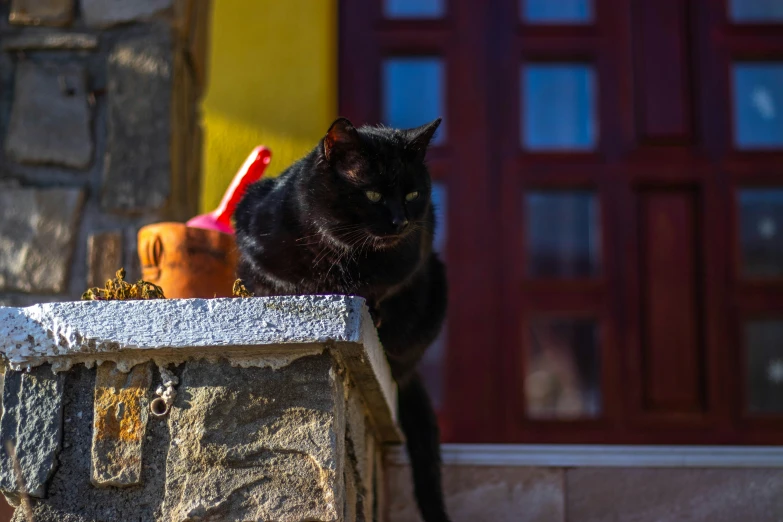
<point>370,500</point>
<point>137,169</point>
<point>33,40</point>
<point>37,232</point>
<point>106,13</point>
<point>259,429</point>
<point>674,495</point>
<point>120,414</point>
<point>352,496</point>
<point>50,118</point>
<point>32,423</point>
<point>104,257</point>
<point>71,497</point>
<point>256,443</point>
<point>358,460</point>
<point>496,494</point>
<point>41,12</point>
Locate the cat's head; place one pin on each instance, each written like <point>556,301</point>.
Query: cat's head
<point>372,185</point>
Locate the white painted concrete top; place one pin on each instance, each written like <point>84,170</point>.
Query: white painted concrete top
<point>258,331</point>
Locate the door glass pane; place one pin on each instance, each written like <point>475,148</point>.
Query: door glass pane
<point>413,8</point>
<point>563,234</point>
<point>556,11</point>
<point>756,11</point>
<point>440,205</point>
<point>413,93</point>
<point>558,107</point>
<point>764,378</point>
<point>563,369</point>
<point>761,232</point>
<point>758,105</point>
<point>432,363</point>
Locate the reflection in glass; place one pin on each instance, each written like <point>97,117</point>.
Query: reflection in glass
<point>761,232</point>
<point>764,349</point>
<point>558,107</point>
<point>758,105</point>
<point>440,204</point>
<point>413,93</point>
<point>756,11</point>
<point>431,365</point>
<point>556,11</point>
<point>563,234</point>
<point>563,369</point>
<point>413,8</point>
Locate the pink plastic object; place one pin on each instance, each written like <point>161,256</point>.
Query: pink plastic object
<point>251,171</point>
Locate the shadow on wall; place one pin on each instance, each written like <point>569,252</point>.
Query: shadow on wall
<point>272,81</point>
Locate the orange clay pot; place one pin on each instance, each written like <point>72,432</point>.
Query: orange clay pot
<point>199,258</point>
<point>187,261</point>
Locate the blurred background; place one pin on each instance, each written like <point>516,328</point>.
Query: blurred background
<point>608,181</point>
<point>609,187</point>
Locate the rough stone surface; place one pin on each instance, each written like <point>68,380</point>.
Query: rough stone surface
<point>41,12</point>
<point>37,232</point>
<point>358,462</point>
<point>262,331</point>
<point>105,13</point>
<point>674,495</point>
<point>104,257</point>
<point>487,494</point>
<point>32,422</point>
<point>47,39</point>
<point>137,168</point>
<point>257,443</point>
<point>371,498</point>
<point>352,496</point>
<point>50,119</point>
<point>121,411</point>
<point>70,496</point>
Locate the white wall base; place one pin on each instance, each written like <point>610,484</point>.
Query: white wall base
<point>567,455</point>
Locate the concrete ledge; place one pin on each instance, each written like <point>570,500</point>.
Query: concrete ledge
<point>264,332</point>
<point>568,455</point>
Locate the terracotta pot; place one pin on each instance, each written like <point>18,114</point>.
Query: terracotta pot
<point>198,258</point>
<point>187,261</point>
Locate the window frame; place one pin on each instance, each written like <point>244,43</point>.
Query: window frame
<point>487,171</point>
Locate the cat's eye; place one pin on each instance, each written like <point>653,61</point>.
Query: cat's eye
<point>411,196</point>
<point>373,196</point>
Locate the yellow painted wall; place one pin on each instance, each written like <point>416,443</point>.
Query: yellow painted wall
<point>272,81</point>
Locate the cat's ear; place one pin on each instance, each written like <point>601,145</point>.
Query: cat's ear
<point>342,148</point>
<point>341,139</point>
<point>420,137</point>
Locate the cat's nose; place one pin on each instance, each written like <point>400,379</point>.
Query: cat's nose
<point>399,224</point>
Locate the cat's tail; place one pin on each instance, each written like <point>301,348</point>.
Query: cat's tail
<point>420,427</point>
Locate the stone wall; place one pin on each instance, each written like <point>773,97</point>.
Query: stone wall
<point>100,133</point>
<point>279,410</point>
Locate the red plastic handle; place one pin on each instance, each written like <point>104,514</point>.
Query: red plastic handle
<point>252,170</point>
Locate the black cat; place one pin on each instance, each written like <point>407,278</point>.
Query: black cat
<point>355,217</point>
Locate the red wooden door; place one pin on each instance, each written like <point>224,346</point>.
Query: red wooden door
<point>614,209</point>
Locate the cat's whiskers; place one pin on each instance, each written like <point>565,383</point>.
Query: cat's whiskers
<point>324,231</point>
<point>347,251</point>
<point>348,240</point>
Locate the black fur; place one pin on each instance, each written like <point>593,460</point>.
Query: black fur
<point>315,230</point>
